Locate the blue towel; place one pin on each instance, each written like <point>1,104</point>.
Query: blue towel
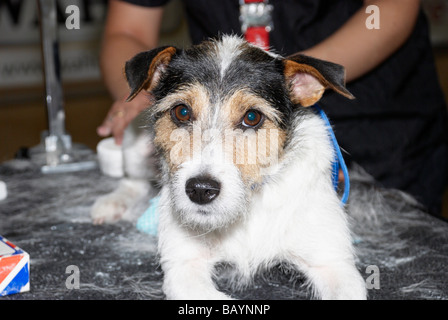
<point>149,221</point>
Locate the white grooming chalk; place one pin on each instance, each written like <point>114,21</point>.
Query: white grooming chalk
<point>110,158</point>
<point>3,191</point>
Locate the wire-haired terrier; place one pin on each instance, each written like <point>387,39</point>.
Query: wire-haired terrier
<point>245,167</point>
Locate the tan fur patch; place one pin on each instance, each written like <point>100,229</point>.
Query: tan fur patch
<point>254,150</point>
<point>195,96</point>
<point>242,101</point>
<point>177,142</point>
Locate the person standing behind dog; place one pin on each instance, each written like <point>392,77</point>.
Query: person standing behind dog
<point>396,128</point>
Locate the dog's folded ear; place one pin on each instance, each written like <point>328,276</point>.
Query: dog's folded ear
<point>308,78</point>
<point>144,70</point>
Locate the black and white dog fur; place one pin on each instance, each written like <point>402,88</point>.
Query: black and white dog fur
<point>217,202</point>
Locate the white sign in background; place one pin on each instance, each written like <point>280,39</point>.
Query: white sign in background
<point>20,49</point>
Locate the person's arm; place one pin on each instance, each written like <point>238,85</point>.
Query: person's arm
<point>129,29</point>
<point>359,49</point>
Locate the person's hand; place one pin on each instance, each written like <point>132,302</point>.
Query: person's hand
<point>121,114</point>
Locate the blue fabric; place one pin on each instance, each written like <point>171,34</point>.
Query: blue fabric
<point>338,162</point>
<point>149,221</point>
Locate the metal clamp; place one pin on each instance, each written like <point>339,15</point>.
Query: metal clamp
<point>256,14</point>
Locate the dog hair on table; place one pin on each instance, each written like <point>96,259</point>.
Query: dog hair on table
<point>243,165</point>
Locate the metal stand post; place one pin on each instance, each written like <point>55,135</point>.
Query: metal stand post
<point>56,153</point>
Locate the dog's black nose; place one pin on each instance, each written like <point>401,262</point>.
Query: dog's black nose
<point>202,190</point>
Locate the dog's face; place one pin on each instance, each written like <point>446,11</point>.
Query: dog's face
<point>222,120</point>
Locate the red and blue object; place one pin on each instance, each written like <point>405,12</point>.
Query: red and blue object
<point>14,269</point>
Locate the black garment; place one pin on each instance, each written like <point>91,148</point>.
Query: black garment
<point>396,128</point>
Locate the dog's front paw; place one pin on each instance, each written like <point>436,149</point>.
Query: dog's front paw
<point>194,287</point>
<point>353,291</point>
<point>349,287</point>
<point>118,204</point>
<point>109,208</point>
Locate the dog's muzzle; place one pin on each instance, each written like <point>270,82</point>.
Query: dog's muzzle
<point>202,190</point>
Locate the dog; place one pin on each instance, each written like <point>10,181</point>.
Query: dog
<point>214,107</point>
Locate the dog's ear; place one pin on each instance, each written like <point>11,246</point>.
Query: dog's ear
<point>144,70</point>
<point>308,78</point>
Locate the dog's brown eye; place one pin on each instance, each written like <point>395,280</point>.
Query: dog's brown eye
<point>181,113</point>
<point>252,119</point>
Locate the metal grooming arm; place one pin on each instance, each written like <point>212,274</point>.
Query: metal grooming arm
<point>56,153</point>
